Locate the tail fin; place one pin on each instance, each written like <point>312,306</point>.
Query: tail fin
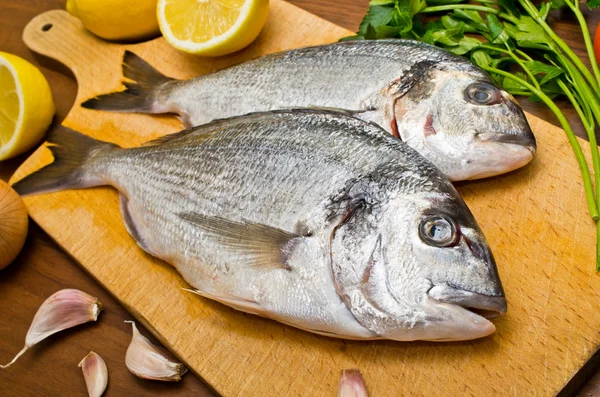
<point>72,153</point>
<point>138,96</point>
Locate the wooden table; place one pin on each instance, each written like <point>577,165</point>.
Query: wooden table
<point>42,268</point>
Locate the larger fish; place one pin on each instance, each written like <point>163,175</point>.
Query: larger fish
<point>442,105</point>
<point>315,219</point>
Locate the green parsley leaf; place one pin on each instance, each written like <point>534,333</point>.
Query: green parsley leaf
<point>471,17</point>
<point>444,2</point>
<point>511,85</point>
<point>481,59</point>
<point>376,16</point>
<point>412,7</point>
<point>465,45</point>
<point>370,33</point>
<point>497,32</point>
<point>510,7</point>
<point>592,4</point>
<point>550,72</point>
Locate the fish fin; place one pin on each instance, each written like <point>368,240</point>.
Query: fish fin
<point>330,109</point>
<point>140,95</point>
<point>198,130</point>
<point>260,245</point>
<point>322,332</point>
<point>235,302</point>
<point>72,153</point>
<point>131,226</point>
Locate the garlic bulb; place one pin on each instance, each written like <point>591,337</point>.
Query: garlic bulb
<point>63,309</point>
<point>145,360</point>
<point>95,374</point>
<point>13,224</point>
<point>352,384</point>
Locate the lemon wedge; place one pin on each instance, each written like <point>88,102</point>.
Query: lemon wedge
<point>211,27</point>
<point>26,105</point>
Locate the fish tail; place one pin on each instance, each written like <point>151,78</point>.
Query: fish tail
<point>141,93</point>
<point>74,153</point>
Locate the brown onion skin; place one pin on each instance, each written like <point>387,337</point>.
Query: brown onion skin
<point>13,224</point>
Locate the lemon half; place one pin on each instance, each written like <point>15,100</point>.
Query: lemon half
<point>26,105</point>
<point>117,19</point>
<point>211,27</point>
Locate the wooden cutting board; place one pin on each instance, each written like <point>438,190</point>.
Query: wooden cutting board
<point>535,220</point>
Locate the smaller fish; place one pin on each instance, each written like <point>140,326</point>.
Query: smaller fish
<point>440,104</point>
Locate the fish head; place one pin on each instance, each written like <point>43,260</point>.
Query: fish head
<point>466,125</point>
<point>417,268</point>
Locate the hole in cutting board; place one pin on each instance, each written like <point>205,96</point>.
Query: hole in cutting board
<point>46,27</point>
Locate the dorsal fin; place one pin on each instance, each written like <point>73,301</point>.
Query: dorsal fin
<point>179,135</point>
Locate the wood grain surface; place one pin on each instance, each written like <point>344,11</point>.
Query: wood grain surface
<point>32,266</point>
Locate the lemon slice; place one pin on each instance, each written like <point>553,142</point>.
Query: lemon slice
<point>211,27</point>
<point>26,106</point>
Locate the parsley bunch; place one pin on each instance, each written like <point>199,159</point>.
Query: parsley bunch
<point>512,41</point>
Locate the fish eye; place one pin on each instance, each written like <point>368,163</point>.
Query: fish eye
<point>439,231</point>
<point>483,94</point>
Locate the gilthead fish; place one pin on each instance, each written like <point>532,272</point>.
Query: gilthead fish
<point>440,104</point>
<point>315,219</point>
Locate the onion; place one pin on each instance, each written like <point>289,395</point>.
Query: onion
<point>13,224</point>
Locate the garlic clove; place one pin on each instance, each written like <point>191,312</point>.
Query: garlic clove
<point>352,384</point>
<point>64,309</point>
<point>146,360</point>
<point>95,374</point>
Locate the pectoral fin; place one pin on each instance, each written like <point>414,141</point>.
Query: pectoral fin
<point>235,302</point>
<point>258,245</point>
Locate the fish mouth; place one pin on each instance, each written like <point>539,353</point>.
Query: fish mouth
<point>486,306</point>
<point>500,153</point>
<point>526,140</point>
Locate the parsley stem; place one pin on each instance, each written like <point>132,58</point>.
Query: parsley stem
<point>597,248</point>
<point>525,69</point>
<point>577,82</point>
<point>589,101</point>
<point>583,167</point>
<point>524,55</point>
<point>534,13</point>
<point>518,61</point>
<point>589,129</point>
<point>586,38</point>
<point>451,7</point>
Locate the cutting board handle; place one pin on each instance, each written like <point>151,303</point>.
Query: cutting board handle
<point>60,36</point>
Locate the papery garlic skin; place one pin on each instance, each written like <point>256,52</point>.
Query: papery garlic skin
<point>95,374</point>
<point>145,360</point>
<point>63,309</point>
<point>352,384</point>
